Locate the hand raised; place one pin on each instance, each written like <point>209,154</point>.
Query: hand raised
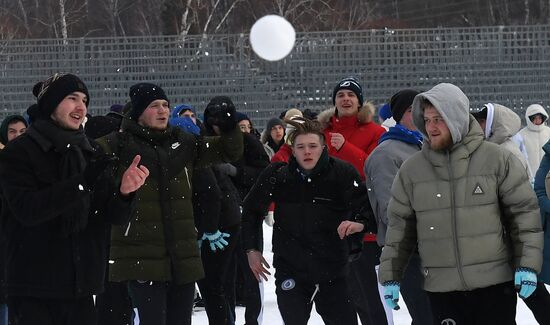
<point>337,140</point>
<point>134,177</point>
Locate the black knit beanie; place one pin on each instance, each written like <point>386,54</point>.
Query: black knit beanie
<point>400,102</point>
<point>349,83</point>
<point>274,121</point>
<point>143,94</point>
<point>52,91</point>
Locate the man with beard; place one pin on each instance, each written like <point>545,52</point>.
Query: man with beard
<point>469,207</point>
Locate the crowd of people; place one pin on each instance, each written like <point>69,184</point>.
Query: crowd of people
<point>119,218</point>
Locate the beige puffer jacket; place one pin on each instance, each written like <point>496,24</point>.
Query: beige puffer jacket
<point>470,210</point>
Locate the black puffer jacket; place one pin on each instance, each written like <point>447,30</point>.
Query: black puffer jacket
<point>308,211</point>
<point>251,165</point>
<point>41,260</point>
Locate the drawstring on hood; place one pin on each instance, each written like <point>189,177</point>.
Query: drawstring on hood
<point>451,103</point>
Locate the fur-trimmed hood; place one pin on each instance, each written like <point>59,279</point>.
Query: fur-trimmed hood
<point>364,116</point>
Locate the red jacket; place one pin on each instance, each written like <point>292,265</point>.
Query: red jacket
<point>361,136</point>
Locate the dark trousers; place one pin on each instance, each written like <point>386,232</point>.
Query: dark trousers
<point>216,266</point>
<point>251,294</point>
<point>32,311</point>
<point>414,295</point>
<point>539,303</point>
<point>332,301</point>
<point>494,305</point>
<point>113,305</point>
<point>363,284</point>
<point>162,303</point>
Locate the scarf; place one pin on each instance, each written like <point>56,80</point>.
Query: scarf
<point>399,132</point>
<point>73,148</point>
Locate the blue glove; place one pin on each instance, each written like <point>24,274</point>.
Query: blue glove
<point>525,281</point>
<point>391,294</point>
<point>217,240</point>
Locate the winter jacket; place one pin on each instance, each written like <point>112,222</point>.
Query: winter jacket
<point>283,155</point>
<point>360,132</point>
<point>469,209</point>
<point>535,136</point>
<point>41,261</point>
<point>249,167</point>
<point>544,204</point>
<point>207,198</point>
<point>159,244</point>
<point>308,211</point>
<point>501,128</point>
<point>380,169</point>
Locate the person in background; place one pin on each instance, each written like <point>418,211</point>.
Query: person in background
<point>316,202</point>
<point>248,291</point>
<point>535,135</point>
<point>500,124</point>
<point>284,152</point>
<point>468,206</point>
<point>56,245</point>
<point>210,219</point>
<point>113,304</point>
<point>384,116</point>
<point>12,126</point>
<point>351,135</point>
<point>395,146</point>
<point>245,124</point>
<point>273,136</point>
<point>539,301</point>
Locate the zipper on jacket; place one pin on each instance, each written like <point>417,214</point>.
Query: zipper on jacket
<point>453,220</point>
<point>127,229</point>
<point>187,177</point>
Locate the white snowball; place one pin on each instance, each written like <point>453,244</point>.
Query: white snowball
<point>272,37</point>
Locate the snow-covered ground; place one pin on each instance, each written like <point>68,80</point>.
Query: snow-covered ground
<point>272,317</point>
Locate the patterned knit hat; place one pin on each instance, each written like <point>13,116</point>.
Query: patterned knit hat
<point>50,92</point>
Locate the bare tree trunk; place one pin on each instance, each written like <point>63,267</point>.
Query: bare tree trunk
<point>63,19</point>
<point>209,18</point>
<point>226,14</point>
<point>24,14</point>
<point>185,25</point>
<point>492,13</point>
<point>526,4</point>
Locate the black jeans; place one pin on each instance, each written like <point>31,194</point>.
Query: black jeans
<point>251,288</point>
<point>49,311</point>
<point>363,284</point>
<point>539,303</point>
<point>216,265</point>
<point>494,305</point>
<point>332,301</point>
<point>162,303</point>
<point>113,305</point>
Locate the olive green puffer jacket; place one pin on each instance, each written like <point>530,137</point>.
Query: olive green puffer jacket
<point>160,243</point>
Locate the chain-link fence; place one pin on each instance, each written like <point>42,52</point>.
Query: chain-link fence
<point>506,65</point>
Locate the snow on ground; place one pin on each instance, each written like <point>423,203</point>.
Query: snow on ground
<point>272,317</point>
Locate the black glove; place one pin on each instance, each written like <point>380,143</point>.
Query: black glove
<point>221,112</point>
<point>95,168</point>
